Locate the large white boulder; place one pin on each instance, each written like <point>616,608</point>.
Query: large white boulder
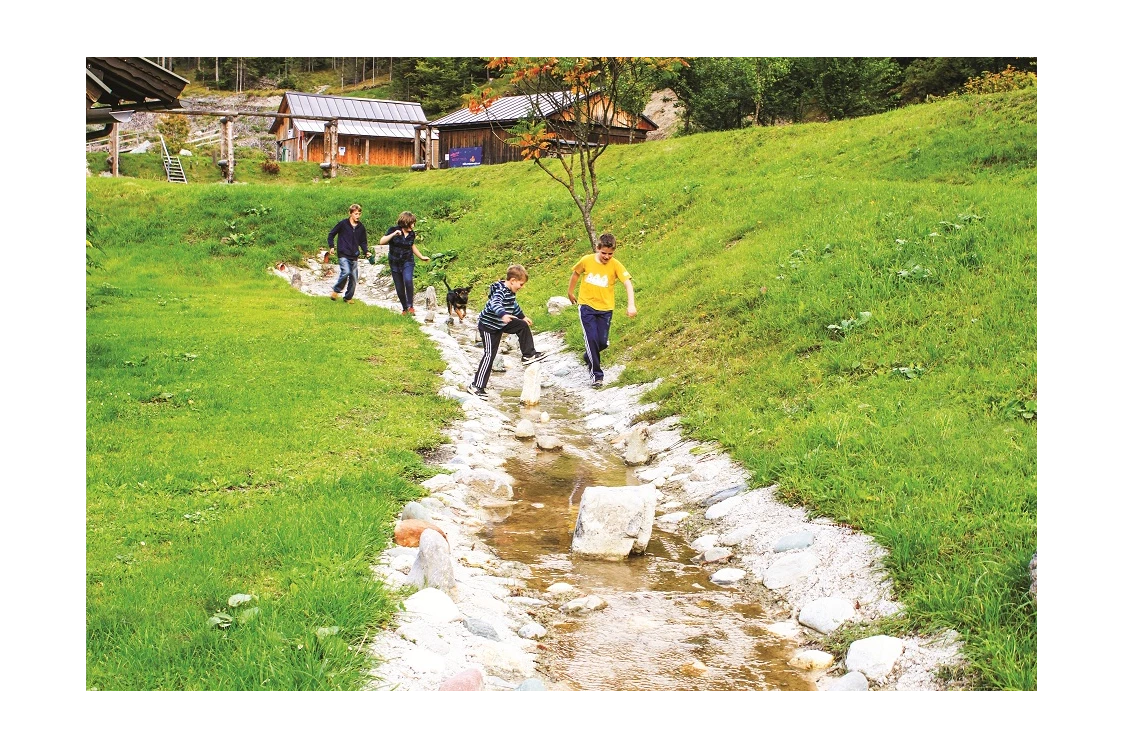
<point>614,522</point>
<point>532,384</point>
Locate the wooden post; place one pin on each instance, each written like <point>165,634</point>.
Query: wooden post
<point>335,148</point>
<point>333,126</point>
<point>228,146</point>
<point>430,155</point>
<point>115,149</point>
<point>417,145</point>
<point>366,142</point>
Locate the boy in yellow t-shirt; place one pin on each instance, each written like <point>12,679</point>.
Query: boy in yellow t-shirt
<point>598,273</point>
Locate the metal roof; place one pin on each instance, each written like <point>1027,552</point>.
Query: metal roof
<point>345,107</point>
<point>508,108</point>
<point>513,108</point>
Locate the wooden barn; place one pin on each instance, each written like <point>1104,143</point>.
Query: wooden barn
<point>468,139</point>
<point>370,131</point>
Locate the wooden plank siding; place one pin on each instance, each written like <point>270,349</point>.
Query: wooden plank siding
<point>496,150</point>
<point>360,150</point>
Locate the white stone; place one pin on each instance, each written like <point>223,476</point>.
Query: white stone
<point>584,604</point>
<point>650,474</point>
<point>487,482</point>
<point>433,605</point>
<point>423,635</point>
<point>544,418</point>
<point>850,682</point>
<point>722,508</point>
<point>422,660</point>
<point>788,629</point>
<point>558,588</point>
<point>738,536</point>
<point>532,388</point>
<point>811,659</point>
<point>548,442</point>
<point>505,660</point>
<point>728,575</point>
<point>439,482</point>
<point>673,518</point>
<point>704,543</point>
<point>790,568</point>
<point>555,304</point>
<point>524,429</point>
<point>614,522</point>
<point>874,656</point>
<point>826,614</point>
<point>532,631</point>
<point>403,563</point>
<point>602,422</point>
<point>669,505</point>
<point>433,567</point>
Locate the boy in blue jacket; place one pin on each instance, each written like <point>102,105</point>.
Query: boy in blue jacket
<point>502,314</point>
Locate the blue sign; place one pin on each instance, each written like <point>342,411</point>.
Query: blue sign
<point>465,156</point>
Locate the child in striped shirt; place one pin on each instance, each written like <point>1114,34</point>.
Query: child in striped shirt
<point>503,314</point>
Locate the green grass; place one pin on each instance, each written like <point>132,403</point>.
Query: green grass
<point>916,426</point>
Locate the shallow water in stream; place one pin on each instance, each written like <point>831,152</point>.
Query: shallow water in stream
<point>666,627</point>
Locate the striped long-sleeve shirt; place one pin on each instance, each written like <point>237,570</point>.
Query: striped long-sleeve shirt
<point>500,301</point>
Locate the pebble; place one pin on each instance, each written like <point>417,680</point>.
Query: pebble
<point>704,543</point>
<point>811,659</point>
<point>481,628</point>
<point>723,494</point>
<point>467,680</point>
<point>673,517</point>
<point>582,605</point>
<point>524,429</point>
<point>713,555</point>
<point>850,682</point>
<point>532,631</point>
<point>722,508</point>
<point>558,588</point>
<point>874,656</point>
<point>826,614</point>
<point>727,576</point>
<point>738,536</point>
<point>434,605</point>
<point>548,442</point>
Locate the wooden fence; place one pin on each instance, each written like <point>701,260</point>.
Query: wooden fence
<point>131,140</point>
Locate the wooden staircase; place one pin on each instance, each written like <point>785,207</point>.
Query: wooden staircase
<point>172,166</point>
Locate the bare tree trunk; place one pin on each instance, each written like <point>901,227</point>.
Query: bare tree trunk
<point>216,70</point>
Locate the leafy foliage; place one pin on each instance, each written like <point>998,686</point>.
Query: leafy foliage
<point>593,94</point>
<point>1009,79</point>
<point>175,129</point>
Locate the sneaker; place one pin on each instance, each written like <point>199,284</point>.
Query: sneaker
<point>350,301</point>
<point>477,391</point>
<point>334,295</point>
<point>598,383</point>
<point>404,312</point>
<point>410,311</point>
<point>536,356</point>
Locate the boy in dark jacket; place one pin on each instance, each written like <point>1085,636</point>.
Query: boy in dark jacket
<point>501,314</point>
<point>352,237</point>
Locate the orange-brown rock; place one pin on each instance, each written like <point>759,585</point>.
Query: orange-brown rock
<point>408,532</point>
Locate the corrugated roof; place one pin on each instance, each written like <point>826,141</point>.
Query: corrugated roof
<point>508,108</point>
<point>344,107</point>
<point>347,106</point>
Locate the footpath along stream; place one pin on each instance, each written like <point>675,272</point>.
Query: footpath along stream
<point>734,591</point>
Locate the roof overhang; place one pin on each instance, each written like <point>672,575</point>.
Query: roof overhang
<point>119,82</point>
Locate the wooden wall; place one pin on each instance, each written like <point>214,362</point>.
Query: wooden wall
<point>496,150</point>
<point>377,151</point>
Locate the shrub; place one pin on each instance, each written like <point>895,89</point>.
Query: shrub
<point>175,130</point>
<point>270,167</point>
<point>1008,80</point>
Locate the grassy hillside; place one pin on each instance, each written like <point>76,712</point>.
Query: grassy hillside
<point>850,308</point>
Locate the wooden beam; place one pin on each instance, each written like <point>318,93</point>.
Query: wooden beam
<point>115,150</point>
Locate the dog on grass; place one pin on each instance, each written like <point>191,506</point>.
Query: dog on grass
<point>457,301</point>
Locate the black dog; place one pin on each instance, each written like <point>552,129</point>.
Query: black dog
<point>457,301</point>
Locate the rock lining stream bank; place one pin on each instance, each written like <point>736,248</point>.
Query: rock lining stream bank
<point>496,628</point>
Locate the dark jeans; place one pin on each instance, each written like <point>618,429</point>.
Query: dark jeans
<point>491,347</point>
<point>403,284</point>
<point>594,326</point>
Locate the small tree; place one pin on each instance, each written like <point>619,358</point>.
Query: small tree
<point>572,102</point>
<point>175,130</point>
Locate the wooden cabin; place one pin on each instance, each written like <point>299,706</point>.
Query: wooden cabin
<point>468,139</point>
<point>371,131</point>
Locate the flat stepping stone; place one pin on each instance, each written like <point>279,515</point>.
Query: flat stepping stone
<point>790,568</point>
<point>795,541</point>
<point>874,656</point>
<point>727,576</point>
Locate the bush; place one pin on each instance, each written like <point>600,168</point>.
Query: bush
<point>1008,80</point>
<point>175,130</point>
<point>270,167</point>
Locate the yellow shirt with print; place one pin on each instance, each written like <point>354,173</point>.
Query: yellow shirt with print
<point>598,282</point>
